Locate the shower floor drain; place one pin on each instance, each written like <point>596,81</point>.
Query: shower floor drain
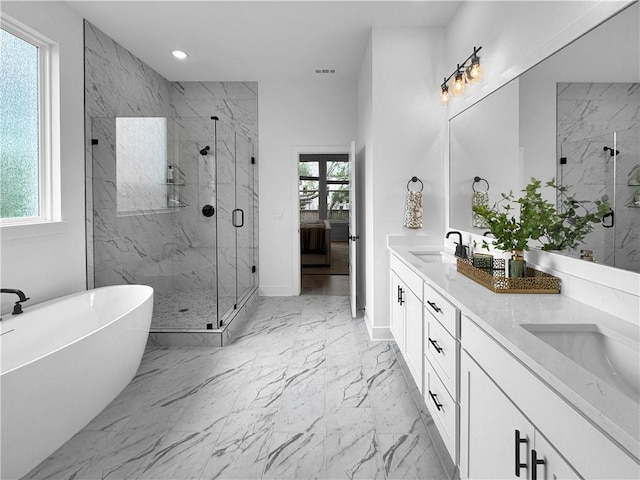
<point>182,310</point>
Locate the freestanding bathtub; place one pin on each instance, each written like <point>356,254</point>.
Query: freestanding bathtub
<point>63,362</point>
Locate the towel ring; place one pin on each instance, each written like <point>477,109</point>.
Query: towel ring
<point>476,180</point>
<point>415,179</point>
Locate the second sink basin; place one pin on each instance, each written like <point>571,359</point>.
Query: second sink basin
<point>432,257</point>
<point>609,356</point>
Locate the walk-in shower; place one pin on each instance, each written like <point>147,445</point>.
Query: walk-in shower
<point>174,207</point>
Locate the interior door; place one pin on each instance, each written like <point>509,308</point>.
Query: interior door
<point>353,233</point>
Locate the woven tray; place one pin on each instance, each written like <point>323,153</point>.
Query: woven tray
<point>495,280</point>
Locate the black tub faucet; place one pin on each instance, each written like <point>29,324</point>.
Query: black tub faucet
<point>17,308</point>
<point>461,249</point>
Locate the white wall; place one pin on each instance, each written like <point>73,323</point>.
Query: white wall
<point>47,266</point>
<point>515,36</point>
<point>293,116</point>
<point>364,155</point>
<point>405,140</point>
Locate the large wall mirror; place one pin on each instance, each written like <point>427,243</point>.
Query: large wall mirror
<point>554,121</point>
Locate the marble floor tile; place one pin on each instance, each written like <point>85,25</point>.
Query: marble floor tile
<point>377,355</point>
<point>295,456</point>
<point>410,457</point>
<point>71,461</point>
<point>354,453</point>
<point>180,455</point>
<point>242,448</point>
<point>301,393</point>
<point>346,388</point>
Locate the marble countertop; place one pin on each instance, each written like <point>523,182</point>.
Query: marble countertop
<point>501,315</point>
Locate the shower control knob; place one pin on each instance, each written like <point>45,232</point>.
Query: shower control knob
<point>208,210</point>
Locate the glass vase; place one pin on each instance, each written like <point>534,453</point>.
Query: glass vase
<point>517,264</point>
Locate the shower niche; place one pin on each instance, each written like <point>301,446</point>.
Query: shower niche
<point>175,208</point>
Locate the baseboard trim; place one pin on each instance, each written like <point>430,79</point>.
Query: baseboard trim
<point>377,333</point>
<point>275,291</point>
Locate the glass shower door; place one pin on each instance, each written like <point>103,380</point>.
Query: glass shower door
<point>244,218</point>
<point>226,217</point>
<point>588,171</point>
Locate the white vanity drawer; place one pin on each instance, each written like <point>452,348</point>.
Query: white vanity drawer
<point>442,351</point>
<point>442,407</point>
<point>411,279</point>
<point>441,309</point>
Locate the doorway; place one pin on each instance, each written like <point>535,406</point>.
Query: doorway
<point>323,203</point>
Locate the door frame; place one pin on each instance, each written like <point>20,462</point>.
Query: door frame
<point>296,151</point>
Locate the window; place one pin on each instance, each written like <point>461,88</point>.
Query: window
<point>141,169</point>
<point>324,187</point>
<point>25,155</point>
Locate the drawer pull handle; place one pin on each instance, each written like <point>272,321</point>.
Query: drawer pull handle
<point>434,306</point>
<point>434,397</point>
<point>518,442</point>
<point>535,461</point>
<point>435,345</point>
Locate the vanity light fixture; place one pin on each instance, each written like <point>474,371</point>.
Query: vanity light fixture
<point>469,71</point>
<point>179,54</point>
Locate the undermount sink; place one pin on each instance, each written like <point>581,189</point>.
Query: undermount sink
<point>611,357</point>
<point>432,257</point>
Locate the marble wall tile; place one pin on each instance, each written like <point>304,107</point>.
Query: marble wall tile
<point>120,85</point>
<point>591,116</point>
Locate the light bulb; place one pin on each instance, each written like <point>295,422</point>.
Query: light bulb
<point>458,86</point>
<point>444,95</point>
<point>474,71</point>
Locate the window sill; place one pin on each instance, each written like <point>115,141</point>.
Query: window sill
<point>13,232</point>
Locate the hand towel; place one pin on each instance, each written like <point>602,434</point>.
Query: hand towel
<point>479,198</point>
<point>413,210</point>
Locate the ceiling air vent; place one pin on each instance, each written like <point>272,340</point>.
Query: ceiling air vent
<point>325,70</point>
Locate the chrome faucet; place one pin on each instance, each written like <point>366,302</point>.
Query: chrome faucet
<point>461,249</point>
<point>17,308</point>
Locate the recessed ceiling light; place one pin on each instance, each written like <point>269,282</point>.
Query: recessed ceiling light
<point>179,54</point>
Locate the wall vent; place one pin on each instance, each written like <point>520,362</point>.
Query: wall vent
<point>325,70</point>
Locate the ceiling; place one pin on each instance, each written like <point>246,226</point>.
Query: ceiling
<point>256,40</point>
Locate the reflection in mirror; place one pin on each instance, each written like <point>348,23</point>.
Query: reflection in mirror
<point>569,106</point>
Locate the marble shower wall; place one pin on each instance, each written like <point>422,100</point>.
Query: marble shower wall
<point>591,116</point>
<point>171,249</point>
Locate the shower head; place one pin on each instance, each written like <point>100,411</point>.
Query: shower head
<point>611,151</point>
<point>205,151</point>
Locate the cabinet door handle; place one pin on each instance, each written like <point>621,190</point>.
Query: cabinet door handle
<point>401,296</point>
<point>435,345</point>
<point>518,442</point>
<point>434,306</point>
<point>535,461</point>
<point>434,397</point>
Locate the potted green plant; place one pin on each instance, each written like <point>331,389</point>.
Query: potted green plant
<point>514,222</point>
<point>574,220</point>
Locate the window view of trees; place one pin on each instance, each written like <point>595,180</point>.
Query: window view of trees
<point>324,189</point>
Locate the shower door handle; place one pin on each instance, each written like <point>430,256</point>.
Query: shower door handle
<point>611,222</point>
<point>234,216</point>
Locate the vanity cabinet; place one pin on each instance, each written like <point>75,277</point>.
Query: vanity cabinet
<point>499,441</point>
<point>441,359</point>
<point>513,426</point>
<point>406,316</point>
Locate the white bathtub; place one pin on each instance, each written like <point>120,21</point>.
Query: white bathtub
<point>63,361</point>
